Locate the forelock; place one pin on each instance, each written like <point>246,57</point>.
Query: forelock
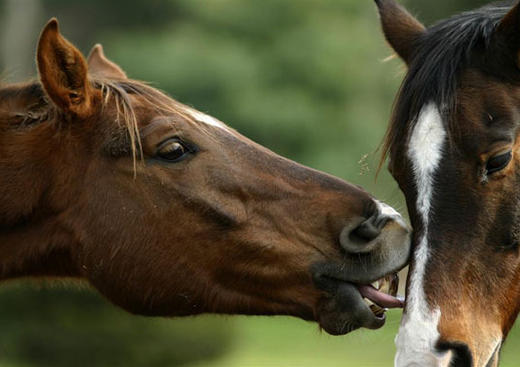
<point>435,68</point>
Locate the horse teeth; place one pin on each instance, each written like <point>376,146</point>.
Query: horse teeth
<point>393,285</point>
<point>384,287</point>
<point>378,311</point>
<point>368,302</point>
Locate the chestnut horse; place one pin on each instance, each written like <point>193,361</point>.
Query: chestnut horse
<point>454,149</point>
<point>167,211</point>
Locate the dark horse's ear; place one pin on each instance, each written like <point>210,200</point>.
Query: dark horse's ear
<point>100,66</point>
<point>401,29</point>
<point>509,30</point>
<point>63,73</point>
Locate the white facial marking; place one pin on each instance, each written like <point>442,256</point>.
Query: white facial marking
<point>202,117</point>
<point>387,211</point>
<point>418,332</point>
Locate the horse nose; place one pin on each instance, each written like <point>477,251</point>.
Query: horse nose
<point>360,237</point>
<point>369,229</point>
<point>460,354</point>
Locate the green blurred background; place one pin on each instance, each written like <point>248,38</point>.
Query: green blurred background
<point>306,78</point>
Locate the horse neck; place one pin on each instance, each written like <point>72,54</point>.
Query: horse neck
<point>32,241</point>
<point>37,247</point>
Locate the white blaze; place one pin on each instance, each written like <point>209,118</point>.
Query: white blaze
<point>418,332</point>
<point>202,117</point>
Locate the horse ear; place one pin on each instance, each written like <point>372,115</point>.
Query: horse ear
<point>63,73</point>
<point>401,29</point>
<point>509,30</point>
<point>100,66</point>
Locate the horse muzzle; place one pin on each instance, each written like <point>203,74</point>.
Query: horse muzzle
<point>349,306</point>
<point>363,283</point>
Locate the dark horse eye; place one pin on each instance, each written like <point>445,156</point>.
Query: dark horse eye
<point>173,150</point>
<point>498,162</point>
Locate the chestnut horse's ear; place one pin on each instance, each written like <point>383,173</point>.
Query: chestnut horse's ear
<point>63,73</point>
<point>401,29</point>
<point>100,66</point>
<point>509,30</point>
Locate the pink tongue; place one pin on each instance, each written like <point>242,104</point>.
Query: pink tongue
<point>379,298</point>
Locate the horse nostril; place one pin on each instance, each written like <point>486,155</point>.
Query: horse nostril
<point>361,238</point>
<point>461,354</point>
<point>370,229</point>
<point>365,232</point>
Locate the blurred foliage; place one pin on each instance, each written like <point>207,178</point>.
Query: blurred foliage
<point>305,78</point>
<point>430,11</point>
<point>62,327</point>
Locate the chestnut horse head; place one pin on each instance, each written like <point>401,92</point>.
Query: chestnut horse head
<point>454,149</point>
<point>167,211</point>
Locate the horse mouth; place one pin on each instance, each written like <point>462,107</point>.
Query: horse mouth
<point>382,295</point>
<point>348,306</point>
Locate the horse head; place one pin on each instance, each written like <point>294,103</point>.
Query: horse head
<point>454,149</point>
<point>168,211</point>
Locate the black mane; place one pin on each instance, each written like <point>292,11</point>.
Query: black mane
<point>439,56</point>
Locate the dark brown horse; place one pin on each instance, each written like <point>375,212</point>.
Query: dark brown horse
<point>167,211</point>
<point>454,148</point>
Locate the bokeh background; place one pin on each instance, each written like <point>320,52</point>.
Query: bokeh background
<point>306,78</point>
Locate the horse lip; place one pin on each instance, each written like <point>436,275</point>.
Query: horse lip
<point>383,299</point>
<point>328,271</point>
<point>345,302</point>
<point>345,311</point>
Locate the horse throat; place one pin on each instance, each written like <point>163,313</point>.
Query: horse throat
<point>36,247</point>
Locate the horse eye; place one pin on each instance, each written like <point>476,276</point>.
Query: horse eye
<point>173,150</point>
<point>499,162</point>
